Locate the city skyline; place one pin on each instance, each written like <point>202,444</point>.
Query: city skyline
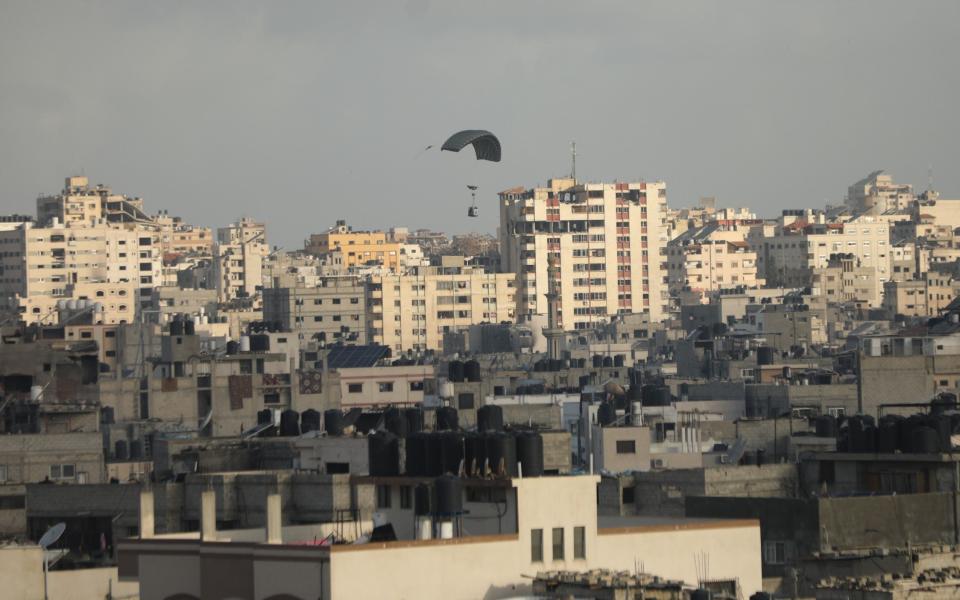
<point>688,101</point>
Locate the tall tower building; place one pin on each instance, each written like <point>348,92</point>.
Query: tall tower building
<point>606,241</point>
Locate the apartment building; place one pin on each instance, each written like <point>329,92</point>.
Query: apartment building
<point>177,237</point>
<point>605,238</point>
<point>358,248</point>
<point>116,267</point>
<point>238,258</point>
<point>788,256</point>
<point>927,296</point>
<point>845,280</point>
<point>332,311</point>
<point>412,311</point>
<point>711,258</point>
<point>878,193</point>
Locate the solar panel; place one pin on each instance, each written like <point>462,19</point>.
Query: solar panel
<point>347,357</point>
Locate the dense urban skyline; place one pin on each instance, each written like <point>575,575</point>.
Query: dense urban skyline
<point>283,112</point>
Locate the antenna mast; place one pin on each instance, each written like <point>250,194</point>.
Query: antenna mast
<point>573,161</point>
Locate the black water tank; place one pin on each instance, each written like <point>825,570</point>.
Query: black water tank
<point>414,417</point>
<point>826,426</point>
<point>433,461</point>
<point>606,414</point>
<point>120,450</point>
<point>761,596</point>
<point>530,453</point>
<point>395,422</point>
<point>489,418</point>
<point>925,440</point>
<point>888,435</point>
<point>455,371</point>
<point>333,421</point>
<point>597,361</point>
<point>701,594</point>
<point>421,500</point>
<point>309,420</point>
<point>176,327</point>
<point>136,449</point>
<point>106,415</point>
<point>260,343</point>
<point>607,361</point>
<point>233,348</point>
<point>447,419</point>
<point>189,328</point>
<point>584,381</point>
<point>289,423</point>
<point>383,451</point>
<point>765,355</point>
<point>619,360</point>
<point>264,416</point>
<point>451,451</point>
<point>502,454</point>
<point>448,495</point>
<point>905,442</point>
<point>943,402</point>
<point>471,370</point>
<point>942,425</point>
<point>416,446</point>
<point>760,454</point>
<point>656,395</point>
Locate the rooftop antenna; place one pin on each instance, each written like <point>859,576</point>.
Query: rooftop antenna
<point>573,161</point>
<point>929,178</point>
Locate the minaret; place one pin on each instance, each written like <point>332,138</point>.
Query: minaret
<point>553,332</point>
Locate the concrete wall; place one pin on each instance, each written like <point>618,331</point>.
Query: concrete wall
<point>28,457</point>
<point>606,456</point>
<point>887,521</point>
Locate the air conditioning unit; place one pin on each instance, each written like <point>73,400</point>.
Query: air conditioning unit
<point>657,463</point>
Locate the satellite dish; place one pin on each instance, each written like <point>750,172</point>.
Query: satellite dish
<point>52,535</point>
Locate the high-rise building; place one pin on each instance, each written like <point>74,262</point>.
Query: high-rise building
<point>607,241</point>
<point>114,266</point>
<point>78,202</point>
<point>877,193</point>
<point>711,258</point>
<point>238,259</point>
<point>412,311</point>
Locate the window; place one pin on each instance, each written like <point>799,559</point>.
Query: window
<point>355,388</point>
<point>626,447</point>
<point>405,496</point>
<point>385,386</point>
<point>775,553</point>
<point>416,386</point>
<point>580,542</point>
<point>383,496</point>
<point>558,543</point>
<point>628,495</point>
<point>62,471</point>
<point>465,400</point>
<point>536,545</point>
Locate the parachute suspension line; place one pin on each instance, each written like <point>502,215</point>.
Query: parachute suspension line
<point>473,211</point>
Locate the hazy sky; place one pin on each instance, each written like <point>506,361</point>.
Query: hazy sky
<point>302,113</point>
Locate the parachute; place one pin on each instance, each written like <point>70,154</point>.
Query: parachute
<point>485,144</point>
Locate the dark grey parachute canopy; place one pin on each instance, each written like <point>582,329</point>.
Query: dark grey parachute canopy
<point>484,143</point>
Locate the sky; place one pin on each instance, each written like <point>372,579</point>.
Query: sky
<point>302,113</point>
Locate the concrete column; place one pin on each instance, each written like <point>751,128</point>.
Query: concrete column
<point>208,515</point>
<point>274,520</point>
<point>146,513</point>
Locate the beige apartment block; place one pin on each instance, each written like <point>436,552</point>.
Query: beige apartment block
<point>116,267</point>
<point>358,248</point>
<point>606,238</point>
<point>844,280</point>
<point>789,255</point>
<point>711,258</point>
<point>878,193</point>
<point>177,237</point>
<point>412,311</point>
<point>238,258</point>
<point>924,297</point>
<point>334,310</point>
